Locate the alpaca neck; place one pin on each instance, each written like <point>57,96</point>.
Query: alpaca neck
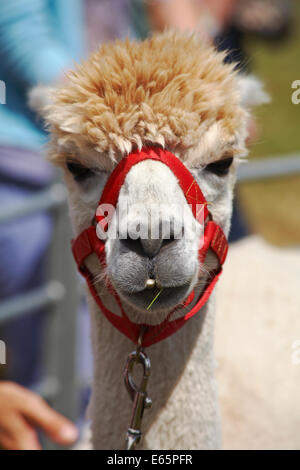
<point>182,387</point>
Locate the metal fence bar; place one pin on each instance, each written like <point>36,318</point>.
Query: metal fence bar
<point>47,388</point>
<point>61,328</point>
<point>42,297</point>
<point>50,198</point>
<point>267,168</point>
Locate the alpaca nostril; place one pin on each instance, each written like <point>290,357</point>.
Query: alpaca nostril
<point>131,244</point>
<point>151,246</point>
<point>144,246</point>
<point>168,241</point>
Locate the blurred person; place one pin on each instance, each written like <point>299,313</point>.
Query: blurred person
<point>106,20</point>
<point>269,19</point>
<point>23,413</point>
<point>206,16</point>
<point>39,40</point>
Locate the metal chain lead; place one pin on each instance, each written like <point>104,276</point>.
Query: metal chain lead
<point>137,394</point>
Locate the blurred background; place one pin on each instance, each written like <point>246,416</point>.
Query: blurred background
<point>272,206</point>
<point>47,342</point>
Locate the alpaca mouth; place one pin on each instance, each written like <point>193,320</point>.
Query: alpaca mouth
<point>158,298</point>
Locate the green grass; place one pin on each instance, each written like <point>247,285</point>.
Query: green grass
<point>272,207</point>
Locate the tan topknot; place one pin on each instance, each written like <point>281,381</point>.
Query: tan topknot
<point>167,90</point>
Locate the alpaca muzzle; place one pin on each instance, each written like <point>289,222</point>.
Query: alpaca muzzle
<point>88,242</point>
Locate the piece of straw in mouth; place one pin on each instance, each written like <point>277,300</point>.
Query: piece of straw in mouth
<point>152,301</point>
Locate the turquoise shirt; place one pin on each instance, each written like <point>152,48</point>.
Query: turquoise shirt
<point>38,40</point>
<point>140,26</point>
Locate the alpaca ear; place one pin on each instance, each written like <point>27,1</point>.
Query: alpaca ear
<point>252,91</point>
<point>40,99</point>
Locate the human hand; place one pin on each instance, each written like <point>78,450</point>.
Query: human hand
<point>22,412</point>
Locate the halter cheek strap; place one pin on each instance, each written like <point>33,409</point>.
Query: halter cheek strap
<point>88,243</point>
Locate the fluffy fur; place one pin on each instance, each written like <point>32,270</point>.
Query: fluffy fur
<point>168,90</point>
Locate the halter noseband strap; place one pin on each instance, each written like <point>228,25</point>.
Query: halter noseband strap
<point>88,243</point>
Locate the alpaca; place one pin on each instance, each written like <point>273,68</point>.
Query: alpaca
<point>174,92</point>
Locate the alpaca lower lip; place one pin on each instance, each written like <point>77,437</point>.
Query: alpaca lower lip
<point>154,299</point>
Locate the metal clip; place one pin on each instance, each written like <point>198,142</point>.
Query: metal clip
<point>138,395</point>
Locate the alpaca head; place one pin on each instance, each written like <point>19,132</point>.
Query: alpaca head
<point>170,91</point>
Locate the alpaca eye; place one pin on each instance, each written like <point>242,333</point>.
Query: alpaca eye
<point>79,172</point>
<point>221,167</point>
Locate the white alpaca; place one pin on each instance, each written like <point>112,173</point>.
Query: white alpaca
<point>174,92</point>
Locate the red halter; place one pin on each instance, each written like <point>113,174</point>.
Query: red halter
<point>88,242</point>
